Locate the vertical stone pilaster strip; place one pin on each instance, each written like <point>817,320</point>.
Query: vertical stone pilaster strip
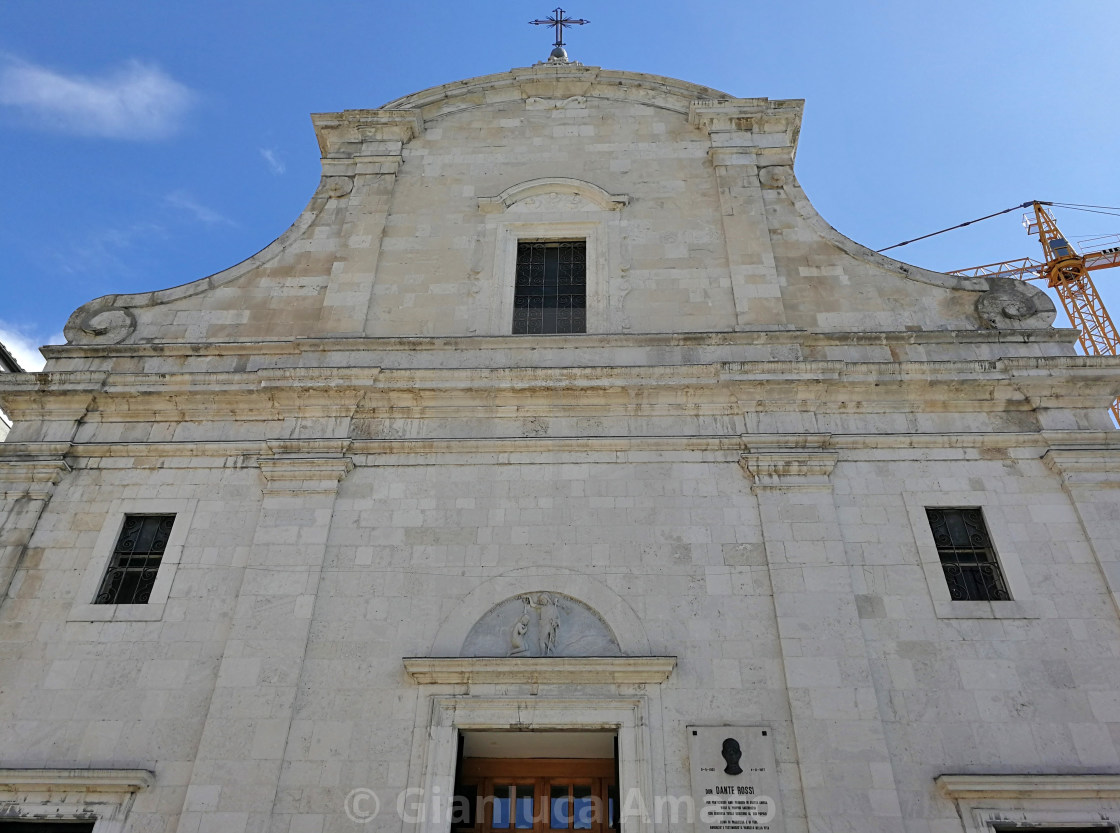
<point>237,769</point>
<point>1091,479</point>
<point>832,696</point>
<point>362,151</point>
<point>26,487</point>
<point>746,134</point>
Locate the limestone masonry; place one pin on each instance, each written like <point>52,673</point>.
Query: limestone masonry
<point>319,536</point>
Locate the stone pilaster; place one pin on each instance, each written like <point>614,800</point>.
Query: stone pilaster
<point>845,765</point>
<point>1091,478</point>
<point>361,153</point>
<point>26,486</point>
<point>237,769</point>
<point>747,135</point>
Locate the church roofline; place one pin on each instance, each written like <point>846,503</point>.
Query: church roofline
<point>755,131</point>
<point>458,95</point>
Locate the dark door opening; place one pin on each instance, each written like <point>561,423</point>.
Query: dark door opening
<point>536,781</point>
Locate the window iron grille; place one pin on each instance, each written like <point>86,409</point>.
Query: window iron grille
<point>136,558</point>
<point>550,290</point>
<point>967,556</point>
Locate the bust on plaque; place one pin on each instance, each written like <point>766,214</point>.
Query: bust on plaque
<point>734,781</point>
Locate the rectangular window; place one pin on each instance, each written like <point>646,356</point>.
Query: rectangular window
<point>550,291</point>
<point>46,826</point>
<point>135,562</point>
<point>967,556</point>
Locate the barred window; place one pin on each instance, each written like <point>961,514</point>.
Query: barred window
<point>550,292</point>
<point>967,556</point>
<point>135,562</point>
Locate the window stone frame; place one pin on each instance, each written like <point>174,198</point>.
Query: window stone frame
<point>104,796</point>
<point>545,210</point>
<point>84,610</point>
<point>951,552</point>
<point>510,233</point>
<point>1022,604</point>
<point>997,803</point>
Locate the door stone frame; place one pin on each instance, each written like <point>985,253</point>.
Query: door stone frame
<point>628,717</point>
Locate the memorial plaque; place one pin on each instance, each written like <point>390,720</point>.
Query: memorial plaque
<point>734,781</point>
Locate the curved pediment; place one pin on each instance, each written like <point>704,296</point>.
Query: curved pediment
<point>553,194</point>
<point>556,85</point>
<point>392,244</point>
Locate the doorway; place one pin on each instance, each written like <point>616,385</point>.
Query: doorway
<point>536,781</point>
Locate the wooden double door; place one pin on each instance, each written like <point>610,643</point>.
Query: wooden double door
<point>539,794</point>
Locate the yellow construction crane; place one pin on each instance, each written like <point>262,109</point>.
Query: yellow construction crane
<point>1067,273</point>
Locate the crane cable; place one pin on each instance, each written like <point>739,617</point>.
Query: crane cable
<point>1089,209</point>
<point>1027,204</point>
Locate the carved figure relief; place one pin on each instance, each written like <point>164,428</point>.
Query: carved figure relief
<point>517,646</point>
<point>540,624</point>
<point>548,623</point>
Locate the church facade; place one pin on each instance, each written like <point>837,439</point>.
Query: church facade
<point>562,468</point>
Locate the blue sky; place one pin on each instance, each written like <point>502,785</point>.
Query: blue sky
<point>145,144</point>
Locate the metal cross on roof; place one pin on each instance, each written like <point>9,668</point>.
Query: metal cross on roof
<point>560,22</point>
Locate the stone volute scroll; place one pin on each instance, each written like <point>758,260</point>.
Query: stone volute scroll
<point>1011,304</point>
<point>100,322</point>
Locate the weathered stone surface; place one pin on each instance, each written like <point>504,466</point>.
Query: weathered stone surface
<point>730,468</point>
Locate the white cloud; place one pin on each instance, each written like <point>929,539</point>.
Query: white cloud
<point>272,159</point>
<point>182,200</point>
<point>24,345</point>
<point>136,101</point>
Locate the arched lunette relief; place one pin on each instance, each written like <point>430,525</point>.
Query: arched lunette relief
<point>589,590</point>
<point>541,623</point>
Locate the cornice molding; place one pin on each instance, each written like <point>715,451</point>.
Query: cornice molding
<point>76,780</point>
<point>789,468</point>
<point>550,80</point>
<point>34,478</point>
<point>680,389</point>
<point>1104,445</point>
<point>292,473</point>
<point>539,670</point>
<point>1090,465</point>
<point>357,133</point>
<point>749,124</point>
<point>1029,786</point>
<point>414,344</point>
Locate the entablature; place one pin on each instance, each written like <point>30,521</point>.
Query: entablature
<point>539,670</point>
<point>1025,384</point>
<point>365,351</point>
